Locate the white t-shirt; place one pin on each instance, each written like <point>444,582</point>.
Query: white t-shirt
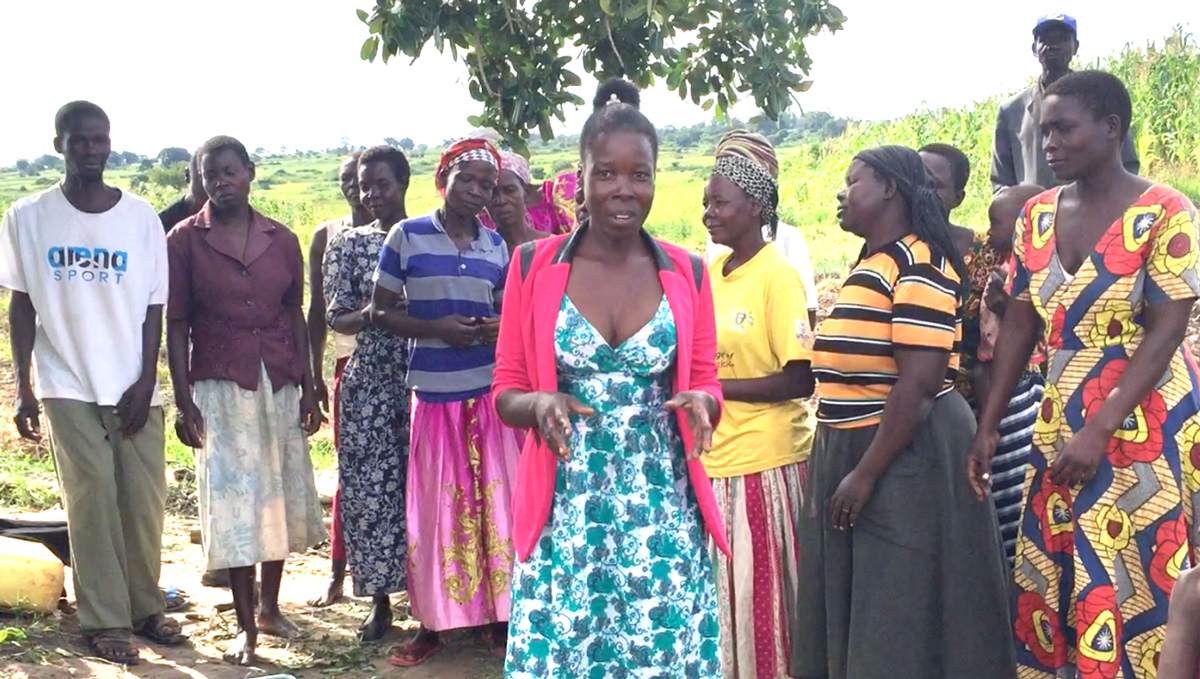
<point>90,277</point>
<point>791,243</point>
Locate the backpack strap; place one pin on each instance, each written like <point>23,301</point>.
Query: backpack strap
<point>525,255</point>
<point>697,270</point>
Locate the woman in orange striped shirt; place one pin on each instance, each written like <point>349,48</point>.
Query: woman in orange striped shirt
<point>899,563</point>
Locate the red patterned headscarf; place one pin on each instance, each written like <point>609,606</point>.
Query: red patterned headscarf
<point>463,151</point>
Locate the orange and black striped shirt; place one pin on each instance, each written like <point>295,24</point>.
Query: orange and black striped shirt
<point>902,296</point>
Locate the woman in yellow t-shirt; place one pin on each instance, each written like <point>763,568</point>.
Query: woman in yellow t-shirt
<point>764,346</point>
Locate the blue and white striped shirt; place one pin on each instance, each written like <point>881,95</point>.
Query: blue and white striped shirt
<point>421,261</point>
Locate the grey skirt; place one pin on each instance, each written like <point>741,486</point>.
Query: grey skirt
<point>919,587</point>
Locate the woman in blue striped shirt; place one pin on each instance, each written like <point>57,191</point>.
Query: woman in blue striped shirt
<point>451,269</point>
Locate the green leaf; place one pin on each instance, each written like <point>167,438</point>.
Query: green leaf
<point>635,11</point>
<point>804,86</point>
<point>362,15</point>
<point>570,79</point>
<point>606,7</point>
<point>475,121</point>
<point>708,104</point>
<point>370,48</point>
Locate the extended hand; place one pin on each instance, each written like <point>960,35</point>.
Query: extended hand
<point>553,411</point>
<point>696,404</point>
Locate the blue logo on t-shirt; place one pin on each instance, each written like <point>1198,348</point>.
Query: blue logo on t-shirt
<point>90,265</point>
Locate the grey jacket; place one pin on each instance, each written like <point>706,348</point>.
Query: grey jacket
<point>1017,156</point>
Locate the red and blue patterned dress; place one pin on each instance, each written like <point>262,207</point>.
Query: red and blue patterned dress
<point>1096,564</point>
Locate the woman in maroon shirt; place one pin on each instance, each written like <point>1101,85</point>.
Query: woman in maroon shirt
<point>244,394</point>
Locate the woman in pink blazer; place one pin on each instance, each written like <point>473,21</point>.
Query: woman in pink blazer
<point>607,354</point>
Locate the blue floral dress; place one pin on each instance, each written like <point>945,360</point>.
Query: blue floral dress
<point>620,585</point>
<point>373,420</point>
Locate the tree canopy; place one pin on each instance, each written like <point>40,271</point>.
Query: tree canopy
<point>714,51</point>
<point>174,154</point>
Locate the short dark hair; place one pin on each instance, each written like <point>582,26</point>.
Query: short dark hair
<point>224,143</point>
<point>395,159</point>
<point>960,165</point>
<point>1099,92</point>
<point>72,113</point>
<point>615,108</point>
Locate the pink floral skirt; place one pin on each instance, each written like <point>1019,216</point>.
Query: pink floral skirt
<point>461,470</point>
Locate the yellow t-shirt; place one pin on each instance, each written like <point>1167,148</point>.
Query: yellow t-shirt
<point>762,325</point>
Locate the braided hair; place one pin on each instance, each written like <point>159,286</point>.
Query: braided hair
<point>926,213</point>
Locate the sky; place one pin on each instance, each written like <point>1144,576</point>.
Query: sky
<point>174,73</point>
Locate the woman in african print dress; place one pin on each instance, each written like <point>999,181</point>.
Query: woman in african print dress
<point>1109,264</point>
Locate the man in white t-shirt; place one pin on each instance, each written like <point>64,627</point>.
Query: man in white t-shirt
<point>87,267</point>
<point>791,243</point>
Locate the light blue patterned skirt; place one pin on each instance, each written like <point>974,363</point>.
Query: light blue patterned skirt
<point>258,500</point>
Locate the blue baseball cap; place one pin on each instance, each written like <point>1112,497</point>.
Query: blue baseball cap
<point>1059,19</point>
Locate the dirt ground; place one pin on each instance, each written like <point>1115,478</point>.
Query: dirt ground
<point>54,649</point>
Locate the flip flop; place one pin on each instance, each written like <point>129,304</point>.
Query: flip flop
<point>152,628</point>
<point>177,599</point>
<point>411,658</point>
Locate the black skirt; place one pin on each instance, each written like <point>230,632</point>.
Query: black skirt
<point>919,587</point>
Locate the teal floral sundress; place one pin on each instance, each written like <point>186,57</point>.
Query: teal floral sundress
<point>620,585</point>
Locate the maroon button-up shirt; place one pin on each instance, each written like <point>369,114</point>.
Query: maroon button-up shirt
<point>236,303</point>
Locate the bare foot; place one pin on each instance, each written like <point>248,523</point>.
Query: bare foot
<point>378,622</point>
<point>276,625</point>
<point>334,594</point>
<point>242,650</point>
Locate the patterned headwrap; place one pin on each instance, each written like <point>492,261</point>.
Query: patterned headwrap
<point>750,145</point>
<point>463,151</point>
<point>753,178</point>
<point>515,163</point>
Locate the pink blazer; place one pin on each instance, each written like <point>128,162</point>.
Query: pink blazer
<point>537,281</point>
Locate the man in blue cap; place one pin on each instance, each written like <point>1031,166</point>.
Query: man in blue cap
<point>1017,155</point>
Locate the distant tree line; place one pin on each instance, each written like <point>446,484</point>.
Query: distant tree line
<point>789,130</point>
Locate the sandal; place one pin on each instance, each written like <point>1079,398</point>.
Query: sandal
<point>161,630</point>
<point>114,646</point>
<point>176,599</point>
<point>412,653</point>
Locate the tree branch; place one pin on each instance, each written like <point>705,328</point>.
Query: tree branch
<point>483,75</point>
<point>608,29</point>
